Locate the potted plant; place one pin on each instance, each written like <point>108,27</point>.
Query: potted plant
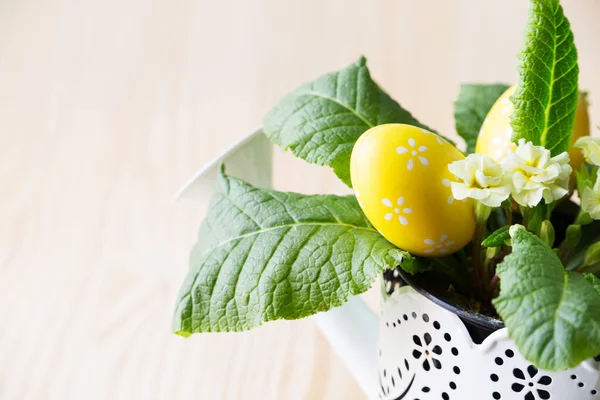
<point>489,268</point>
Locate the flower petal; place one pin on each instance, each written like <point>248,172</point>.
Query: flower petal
<point>517,387</point>
<point>427,338</point>
<point>545,380</point>
<point>544,395</point>
<point>590,202</point>
<point>532,371</point>
<point>417,340</point>
<point>426,366</point>
<point>518,374</point>
<point>591,149</point>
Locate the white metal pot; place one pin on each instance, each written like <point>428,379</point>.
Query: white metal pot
<point>427,352</point>
<point>419,349</point>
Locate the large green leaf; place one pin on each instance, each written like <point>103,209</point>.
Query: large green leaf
<point>546,98</point>
<point>551,314</point>
<point>263,255</point>
<point>321,120</point>
<point>471,107</point>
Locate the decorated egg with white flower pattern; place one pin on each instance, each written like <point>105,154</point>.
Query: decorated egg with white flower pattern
<point>401,179</point>
<point>496,132</point>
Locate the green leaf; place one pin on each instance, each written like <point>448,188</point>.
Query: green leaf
<point>546,98</point>
<point>497,238</point>
<point>550,313</point>
<point>264,255</point>
<point>407,261</point>
<point>321,120</point>
<point>472,106</point>
<point>594,281</point>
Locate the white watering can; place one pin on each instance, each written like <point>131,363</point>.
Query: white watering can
<point>420,348</point>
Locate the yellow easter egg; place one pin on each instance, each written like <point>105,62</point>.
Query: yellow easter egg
<point>580,128</point>
<point>401,179</point>
<point>496,133</point>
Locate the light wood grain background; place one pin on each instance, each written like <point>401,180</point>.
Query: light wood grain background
<point>106,107</point>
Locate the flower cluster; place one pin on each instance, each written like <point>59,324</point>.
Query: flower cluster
<point>529,174</point>
<point>481,178</point>
<point>590,198</point>
<point>534,174</point>
<point>591,149</point>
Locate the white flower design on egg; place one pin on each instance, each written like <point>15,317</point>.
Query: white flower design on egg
<point>401,212</point>
<point>507,105</point>
<point>446,182</point>
<point>438,246</point>
<point>502,144</point>
<point>437,137</point>
<point>413,152</point>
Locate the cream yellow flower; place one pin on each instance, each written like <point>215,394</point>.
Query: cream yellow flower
<point>591,149</point>
<point>480,178</point>
<point>534,174</point>
<point>590,200</point>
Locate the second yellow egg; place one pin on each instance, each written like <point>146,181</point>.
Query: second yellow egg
<point>496,132</point>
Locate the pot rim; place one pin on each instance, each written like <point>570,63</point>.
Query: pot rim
<point>482,321</point>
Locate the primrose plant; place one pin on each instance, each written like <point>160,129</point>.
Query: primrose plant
<point>495,222</point>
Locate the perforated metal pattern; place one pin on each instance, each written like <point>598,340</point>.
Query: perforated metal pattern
<point>426,353</point>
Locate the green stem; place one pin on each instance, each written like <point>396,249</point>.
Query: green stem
<point>485,270</point>
<point>525,212</point>
<point>564,254</point>
<point>588,269</point>
<point>476,271</point>
<point>493,283</point>
<point>570,242</point>
<point>480,270</point>
<point>533,217</point>
<point>507,207</point>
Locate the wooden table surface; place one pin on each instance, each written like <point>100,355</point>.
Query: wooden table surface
<point>106,107</point>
